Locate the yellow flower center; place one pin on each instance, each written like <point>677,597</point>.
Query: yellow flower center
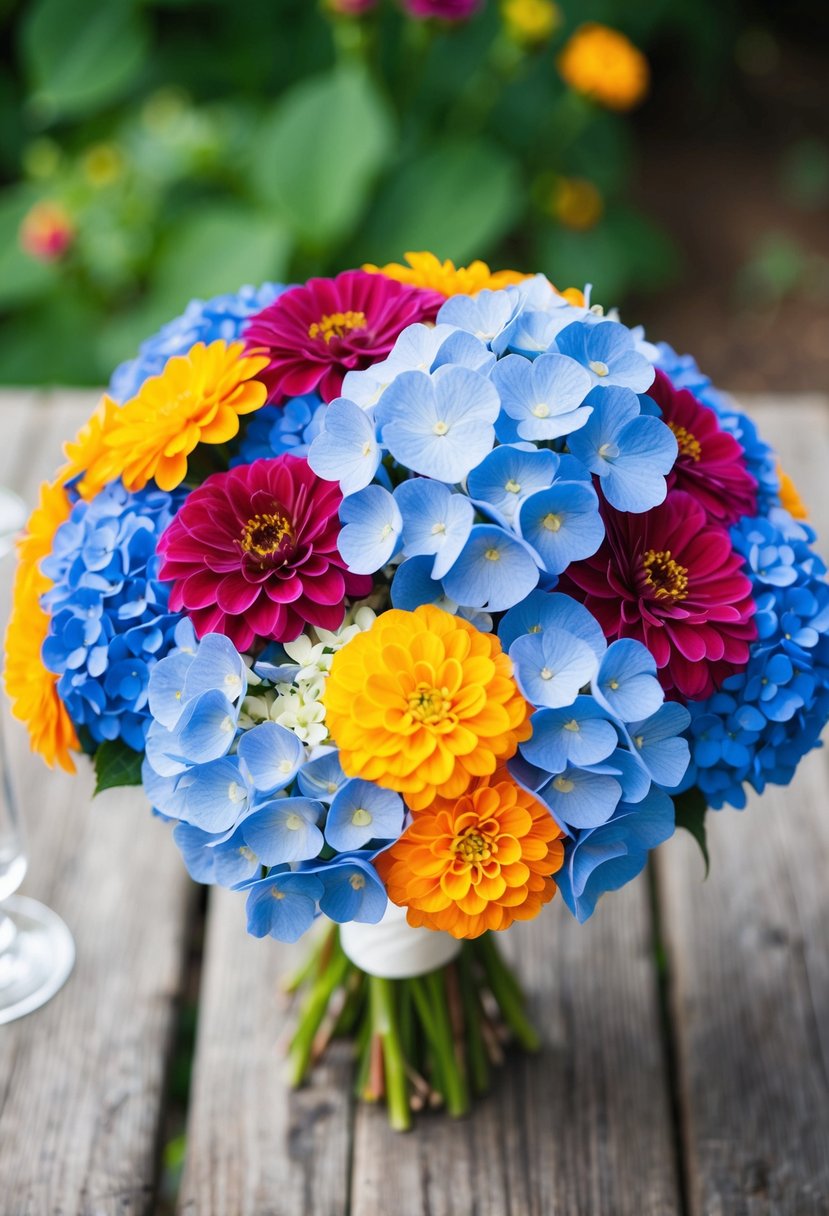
<point>429,704</point>
<point>551,522</point>
<point>266,536</point>
<point>337,325</point>
<point>687,442</point>
<point>361,818</point>
<point>599,368</point>
<point>474,846</point>
<point>357,881</point>
<point>668,579</point>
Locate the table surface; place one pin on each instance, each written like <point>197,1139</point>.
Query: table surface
<point>685,1067</point>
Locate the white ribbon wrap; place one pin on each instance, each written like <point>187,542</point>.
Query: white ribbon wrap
<point>393,950</point>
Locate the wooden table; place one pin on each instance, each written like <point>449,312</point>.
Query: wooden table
<point>686,1061</point>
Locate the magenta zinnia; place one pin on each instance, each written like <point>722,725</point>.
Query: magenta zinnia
<point>672,580</point>
<point>252,553</point>
<point>316,333</point>
<point>710,463</point>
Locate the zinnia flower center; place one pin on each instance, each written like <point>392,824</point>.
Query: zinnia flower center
<point>267,536</point>
<point>473,846</point>
<point>668,579</point>
<point>688,444</point>
<point>337,325</point>
<point>429,704</point>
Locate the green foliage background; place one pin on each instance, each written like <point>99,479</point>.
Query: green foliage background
<point>200,144</point>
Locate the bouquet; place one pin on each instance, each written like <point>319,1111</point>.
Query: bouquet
<point>413,597</point>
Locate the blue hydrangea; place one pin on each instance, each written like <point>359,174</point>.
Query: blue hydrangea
<point>277,429</point>
<point>758,726</point>
<point>202,321</point>
<point>254,807</point>
<point>110,621</point>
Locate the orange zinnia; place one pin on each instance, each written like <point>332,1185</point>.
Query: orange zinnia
<point>475,863</point>
<point>31,688</point>
<point>84,453</point>
<point>197,398</point>
<point>790,497</point>
<point>422,703</point>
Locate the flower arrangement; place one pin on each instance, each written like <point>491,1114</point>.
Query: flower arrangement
<point>413,597</point>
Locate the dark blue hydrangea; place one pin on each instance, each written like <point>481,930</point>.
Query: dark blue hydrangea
<point>276,429</point>
<point>202,321</point>
<point>760,724</point>
<point>760,460</point>
<point>110,621</point>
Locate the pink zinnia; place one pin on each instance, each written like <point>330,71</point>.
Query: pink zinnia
<point>316,333</point>
<point>711,463</point>
<point>672,580</point>
<point>446,10</point>
<point>252,553</point>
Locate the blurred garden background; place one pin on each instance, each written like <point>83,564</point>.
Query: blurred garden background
<point>673,153</point>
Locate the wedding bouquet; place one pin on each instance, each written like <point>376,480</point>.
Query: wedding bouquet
<point>412,597</point>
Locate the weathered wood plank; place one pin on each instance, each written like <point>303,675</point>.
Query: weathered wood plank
<point>253,1147</point>
<point>81,1080</point>
<point>584,1127</point>
<point>747,954</point>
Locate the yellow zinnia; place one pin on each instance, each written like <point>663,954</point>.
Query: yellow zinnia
<point>423,703</point>
<point>530,21</point>
<point>427,271</point>
<point>603,64</point>
<point>31,688</point>
<point>197,398</point>
<point>84,454</point>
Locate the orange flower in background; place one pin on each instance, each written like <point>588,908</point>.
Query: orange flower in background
<point>423,703</point>
<point>197,398</point>
<point>576,203</point>
<point>427,271</point>
<point>477,862</point>
<point>790,497</point>
<point>32,689</point>
<point>604,65</point>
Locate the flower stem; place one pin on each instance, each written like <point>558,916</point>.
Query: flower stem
<point>454,1080</point>
<point>504,987</point>
<point>475,1047</point>
<point>313,1011</point>
<point>384,1019</point>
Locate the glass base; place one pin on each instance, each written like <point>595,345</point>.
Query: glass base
<point>37,959</point>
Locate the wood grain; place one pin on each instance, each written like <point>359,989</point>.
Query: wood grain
<point>255,1148</point>
<point>582,1128</point>
<point>81,1081</point>
<point>748,954</point>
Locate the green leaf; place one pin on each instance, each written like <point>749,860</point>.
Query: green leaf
<point>82,55</point>
<point>622,253</point>
<point>116,764</point>
<point>456,201</point>
<point>319,151</point>
<point>215,250</point>
<point>691,809</point>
